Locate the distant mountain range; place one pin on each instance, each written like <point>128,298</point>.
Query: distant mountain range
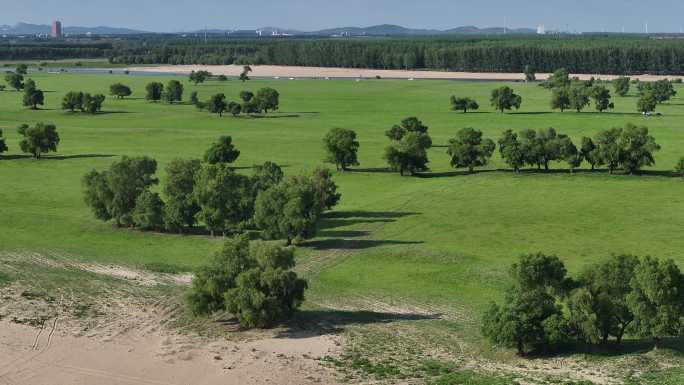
<point>376,30</point>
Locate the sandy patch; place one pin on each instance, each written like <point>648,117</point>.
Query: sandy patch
<point>351,73</point>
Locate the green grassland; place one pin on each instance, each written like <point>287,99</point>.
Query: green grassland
<point>441,239</point>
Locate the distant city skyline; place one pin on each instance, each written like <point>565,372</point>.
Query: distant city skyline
<point>307,15</point>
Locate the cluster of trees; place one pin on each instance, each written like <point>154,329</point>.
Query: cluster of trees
<point>198,77</point>
<point>15,80</point>
<point>84,102</point>
<point>408,151</point>
<point>264,100</point>
<point>172,93</point>
<point>575,94</point>
<point>544,308</point>
<point>212,193</point>
<point>252,280</point>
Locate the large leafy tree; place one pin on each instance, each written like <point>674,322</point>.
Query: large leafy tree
<point>148,213</point>
<point>504,98</point>
<point>38,139</point>
<point>341,148</point>
<point>663,90</point>
<point>72,101</point>
<point>326,189</point>
<point>601,96</point>
<point>217,104</point>
<point>154,91</point>
<point>579,97</point>
<point>173,92</point>
<point>32,95</point>
<point>198,77</point>
<point>15,80</point>
<point>468,149</point>
<point>120,90</point>
<point>222,151</point>
<point>621,85</point>
<point>657,299</point>
<point>559,79</point>
<point>92,104</point>
<point>511,150</point>
<point>608,148</point>
<point>181,206</point>
<point>113,193</point>
<point>253,281</point>
<point>244,75</point>
<point>637,148</point>
<point>267,99</point>
<point>408,152</point>
<point>266,176</point>
<point>463,104</point>
<point>647,102</point>
<point>223,197</point>
<point>590,152</point>
<point>560,98</point>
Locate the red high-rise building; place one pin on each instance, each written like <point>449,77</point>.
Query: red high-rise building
<point>56,29</point>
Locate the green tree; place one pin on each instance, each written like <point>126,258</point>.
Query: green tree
<point>92,104</point>
<point>39,139</point>
<point>341,148</point>
<point>198,77</point>
<point>234,108</point>
<point>72,101</point>
<point>408,155</point>
<point>601,96</point>
<point>529,72</point>
<point>504,98</point>
<point>32,95</point>
<point>217,104</point>
<point>579,97</point>
<point>468,149</point>
<point>223,197</point>
<point>663,90</point>
<point>569,152</point>
<point>181,208</point>
<point>590,152</point>
<point>647,102</point>
<point>266,176</point>
<point>559,79</point>
<point>154,91</point>
<point>15,80</point>
<point>194,99</point>
<point>244,76</point>
<point>657,299</point>
<point>120,90</point>
<point>149,211</point>
<point>608,148</point>
<point>463,104</point>
<point>679,168</point>
<point>326,189</point>
<point>22,69</point>
<point>113,193</point>
<point>3,145</point>
<point>246,96</point>
<point>173,92</point>
<point>222,151</point>
<point>511,150</point>
<point>560,98</point>
<point>637,148</point>
<point>621,85</point>
<point>267,99</point>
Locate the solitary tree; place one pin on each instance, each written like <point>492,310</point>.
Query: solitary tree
<point>72,101</point>
<point>663,90</point>
<point>15,80</point>
<point>120,90</point>
<point>154,91</point>
<point>244,76</point>
<point>198,77</point>
<point>39,139</point>
<point>529,72</point>
<point>217,104</point>
<point>409,154</point>
<point>222,151</point>
<point>267,99</point>
<point>511,150</point>
<point>468,149</point>
<point>181,208</point>
<point>656,299</point>
<point>504,98</point>
<point>637,148</point>
<point>621,85</point>
<point>341,148</point>
<point>463,104</point>
<point>32,95</point>
<point>601,96</point>
<point>560,98</point>
<point>173,92</point>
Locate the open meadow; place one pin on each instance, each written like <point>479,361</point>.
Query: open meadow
<point>436,247</point>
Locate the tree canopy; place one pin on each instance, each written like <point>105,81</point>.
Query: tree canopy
<point>469,149</point>
<point>38,139</point>
<point>120,90</point>
<point>504,98</point>
<point>222,151</point>
<point>341,148</point>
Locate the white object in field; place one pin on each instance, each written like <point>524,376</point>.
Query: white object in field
<point>410,79</point>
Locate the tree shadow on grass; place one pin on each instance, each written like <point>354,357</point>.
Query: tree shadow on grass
<point>348,218</point>
<point>531,113</point>
<point>371,170</point>
<point>354,244</point>
<point>447,174</point>
<point>343,233</point>
<point>56,157</point>
<point>311,323</point>
<point>272,116</point>
<point>612,349</point>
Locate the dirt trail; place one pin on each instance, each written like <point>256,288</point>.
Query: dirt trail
<point>352,73</point>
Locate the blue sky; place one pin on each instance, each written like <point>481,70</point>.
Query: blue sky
<point>184,15</point>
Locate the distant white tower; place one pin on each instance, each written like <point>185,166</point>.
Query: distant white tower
<point>541,30</point>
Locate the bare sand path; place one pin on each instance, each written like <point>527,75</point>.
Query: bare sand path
<point>351,73</point>
<point>44,356</point>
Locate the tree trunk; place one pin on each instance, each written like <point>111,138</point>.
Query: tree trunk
<point>465,110</point>
<point>289,241</point>
<point>470,169</point>
<point>521,350</point>
<point>656,343</point>
<point>546,165</point>
<point>211,232</point>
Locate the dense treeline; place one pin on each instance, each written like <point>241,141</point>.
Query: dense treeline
<point>587,54</point>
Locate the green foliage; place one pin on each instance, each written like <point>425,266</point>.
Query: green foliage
<point>463,104</point>
<point>181,207</point>
<point>579,97</point>
<point>559,79</point>
<point>149,211</point>
<point>468,149</point>
<point>266,176</point>
<point>92,104</point>
<point>217,104</point>
<point>113,193</point>
<point>267,99</point>
<point>637,148</point>
<point>222,151</point>
<point>244,75</point>
<point>173,92</point>
<point>246,96</point>
<point>234,108</point>
<point>120,90</point>
<point>601,96</point>
<point>679,167</point>
<point>224,198</point>
<point>253,281</point>
<point>15,80</point>
<point>21,69</point>
<point>657,299</point>
<point>529,72</point>
<point>662,90</point>
<point>32,95</point>
<point>3,145</point>
<point>408,153</point>
<point>560,98</point>
<point>647,102</point>
<point>504,98</point>
<point>621,85</point>
<point>39,139</point>
<point>511,150</point>
<point>341,147</point>
<point>154,91</point>
<point>589,152</point>
<point>471,378</point>
<point>72,101</point>
<point>194,99</point>
<point>326,189</point>
<point>608,149</point>
<point>198,77</point>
